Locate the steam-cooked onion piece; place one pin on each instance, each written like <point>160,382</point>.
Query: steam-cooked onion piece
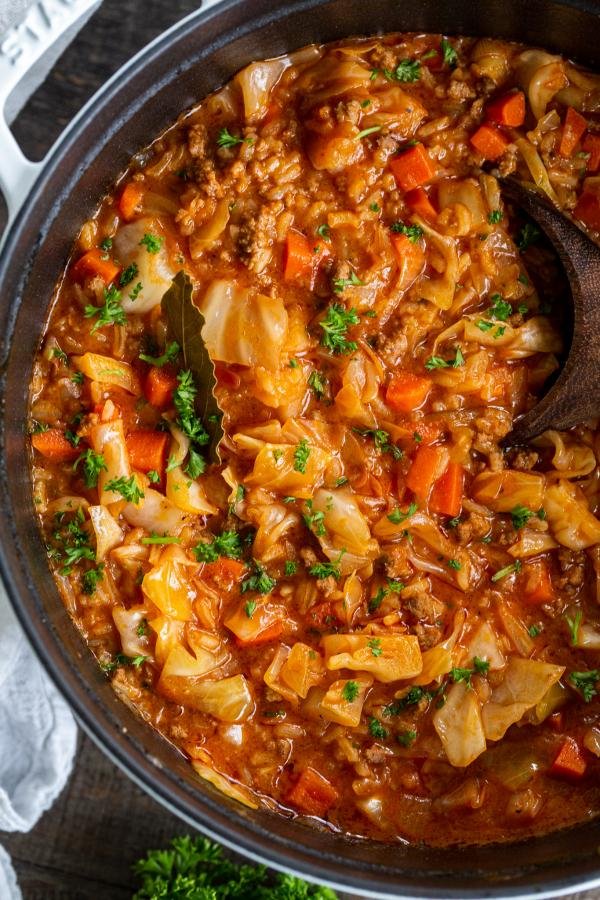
<point>524,684</point>
<point>207,234</point>
<point>108,439</point>
<point>459,725</point>
<point>241,327</point>
<point>571,459</point>
<point>168,586</point>
<point>569,517</point>
<point>107,530</point>
<point>107,370</point>
<point>440,291</point>
<point>346,530</point>
<point>541,76</point>
<point>400,656</point>
<point>155,513</point>
<point>276,469</point>
<point>128,622</point>
<point>222,783</point>
<point>154,270</point>
<point>502,491</point>
<point>335,705</point>
<point>229,699</point>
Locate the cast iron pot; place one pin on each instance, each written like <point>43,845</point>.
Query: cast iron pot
<point>173,73</point>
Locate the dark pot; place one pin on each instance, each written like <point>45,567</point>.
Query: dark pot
<point>173,73</point>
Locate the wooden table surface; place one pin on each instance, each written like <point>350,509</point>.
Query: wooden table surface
<point>84,847</point>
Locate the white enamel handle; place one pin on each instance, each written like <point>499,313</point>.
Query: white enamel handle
<point>21,48</point>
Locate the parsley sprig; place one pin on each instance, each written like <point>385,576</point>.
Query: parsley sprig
<point>169,356</point>
<point>228,543</point>
<point>335,326</point>
<point>110,313</point>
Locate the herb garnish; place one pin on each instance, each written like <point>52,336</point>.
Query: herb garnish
<point>93,464</point>
<point>110,313</point>
<point>228,543</point>
<point>128,488</point>
<point>335,325</point>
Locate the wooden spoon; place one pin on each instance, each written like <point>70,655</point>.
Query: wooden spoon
<point>575,395</point>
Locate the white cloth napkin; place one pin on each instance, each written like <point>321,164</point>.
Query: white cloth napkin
<point>38,737</point>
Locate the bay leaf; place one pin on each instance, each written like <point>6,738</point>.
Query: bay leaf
<point>185,323</point>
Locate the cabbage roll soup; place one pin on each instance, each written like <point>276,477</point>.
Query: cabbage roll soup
<point>266,426</point>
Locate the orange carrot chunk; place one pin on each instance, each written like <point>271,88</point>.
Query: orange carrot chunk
<point>130,200</point>
<point>489,142</point>
<point>591,145</point>
<point>537,583</point>
<point>569,761</point>
<point>159,386</point>
<point>420,204</point>
<point>147,450</point>
<point>93,263</point>
<point>406,392</point>
<point>508,109</point>
<point>573,130</point>
<point>587,210</point>
<point>297,256</point>
<point>54,446</point>
<point>447,494</point>
<point>424,470</point>
<point>312,793</point>
<point>412,168</point>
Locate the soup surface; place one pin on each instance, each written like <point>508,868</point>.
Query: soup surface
<point>325,580</point>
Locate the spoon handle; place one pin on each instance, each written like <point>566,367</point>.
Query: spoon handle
<point>574,397</point>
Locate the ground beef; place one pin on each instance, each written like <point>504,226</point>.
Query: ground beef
<point>459,90</point>
<point>397,565</point>
<point>197,141</point>
<point>255,238</point>
<point>426,608</point>
<point>348,111</point>
<point>383,57</point>
<point>508,163</point>
<point>393,348</point>
<point>524,460</point>
<point>572,567</point>
<point>473,528</point>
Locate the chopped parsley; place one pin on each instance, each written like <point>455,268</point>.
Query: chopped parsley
<point>315,521</point>
<point>169,356</point>
<point>328,569</point>
<point>520,516</point>
<point>437,362</point>
<point>507,570</point>
<point>374,645</point>
<point>250,608</point>
<point>500,308</point>
<point>340,285</point>
<point>184,396</point>
<point>128,488</point>
<point>136,291</point>
<point>481,666</point>
<point>57,353</point>
<point>413,696</point>
<point>407,70</point>
<point>406,738</point>
<point>376,729</point>
<point>335,325</point>
<point>449,53</point>
<point>301,455</point>
<point>152,242</point>
<point>228,543</point>
<point>534,631</point>
<point>93,464</point>
<point>574,624</point>
<point>71,542</point>
<point>106,244</point>
<point>110,313</point>
<point>350,691</point>
<point>291,568</point>
<point>128,274</point>
<point>259,581</point>
<point>153,476</point>
<point>122,660</point>
<point>324,231</point>
<point>91,577</point>
<point>528,235</point>
<point>412,232</point>
<point>365,133</point>
<point>161,539</point>
<point>317,382</point>
<point>454,564</point>
<point>393,587</point>
<point>381,439</point>
<point>495,216</point>
<point>586,682</point>
<point>226,139</point>
<point>397,516</point>
<point>195,465</point>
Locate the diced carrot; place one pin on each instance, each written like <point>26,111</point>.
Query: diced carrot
<point>147,450</point>
<point>412,168</point>
<point>131,199</point>
<point>569,761</point>
<point>420,204</point>
<point>301,256</point>
<point>93,262</point>
<point>409,256</point>
<point>54,445</point>
<point>427,432</point>
<point>323,615</point>
<point>312,793</point>
<point>591,145</point>
<point>224,571</point>
<point>508,109</point>
<point>537,583</point>
<point>406,392</point>
<point>587,209</point>
<point>573,130</point>
<point>159,386</point>
<point>489,142</point>
<point>447,494</point>
<point>272,633</point>
<point>424,470</point>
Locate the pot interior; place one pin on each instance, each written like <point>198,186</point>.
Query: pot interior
<point>174,73</point>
